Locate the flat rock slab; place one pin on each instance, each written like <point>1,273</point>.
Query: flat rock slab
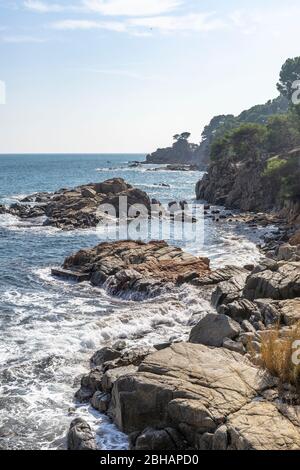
<point>72,275</point>
<point>188,386</point>
<point>261,426</point>
<point>130,266</point>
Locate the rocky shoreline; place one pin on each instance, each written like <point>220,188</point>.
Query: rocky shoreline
<point>212,392</point>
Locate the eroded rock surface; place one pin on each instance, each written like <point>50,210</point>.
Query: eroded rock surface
<point>191,387</point>
<point>79,207</point>
<point>134,267</point>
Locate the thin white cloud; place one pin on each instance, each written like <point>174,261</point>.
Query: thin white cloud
<point>124,73</point>
<point>73,25</point>
<point>44,7</point>
<point>17,39</point>
<point>146,26</point>
<point>132,7</point>
<point>185,23</point>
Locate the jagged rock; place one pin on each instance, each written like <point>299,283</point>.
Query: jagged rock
<point>111,375</point>
<point>288,252</point>
<point>220,439</point>
<point>228,291</point>
<point>289,311</point>
<point>233,346</point>
<point>189,387</point>
<point>213,329</point>
<point>100,401</point>
<point>222,274</point>
<point>90,383</point>
<point>240,310</point>
<point>280,285</point>
<point>79,207</point>
<point>80,436</point>
<point>157,439</point>
<point>261,426</point>
<point>104,355</point>
<point>135,267</point>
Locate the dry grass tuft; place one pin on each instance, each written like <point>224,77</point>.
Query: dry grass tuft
<point>279,354</point>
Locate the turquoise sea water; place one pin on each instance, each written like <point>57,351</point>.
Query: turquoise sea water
<point>49,328</point>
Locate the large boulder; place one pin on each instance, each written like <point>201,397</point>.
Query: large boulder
<point>190,387</point>
<point>213,329</point>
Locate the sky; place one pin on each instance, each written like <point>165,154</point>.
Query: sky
<point>124,76</point>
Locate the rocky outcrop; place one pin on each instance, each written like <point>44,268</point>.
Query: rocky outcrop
<point>79,207</point>
<point>135,268</point>
<point>190,388</point>
<point>182,152</point>
<point>279,285</point>
<point>238,186</point>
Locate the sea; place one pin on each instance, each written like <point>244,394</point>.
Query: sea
<point>50,328</point>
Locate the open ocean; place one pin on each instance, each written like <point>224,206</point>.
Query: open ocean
<point>49,328</point>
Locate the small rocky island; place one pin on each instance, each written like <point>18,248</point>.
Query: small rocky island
<point>70,209</point>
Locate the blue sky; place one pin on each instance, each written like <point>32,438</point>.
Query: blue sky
<point>125,75</point>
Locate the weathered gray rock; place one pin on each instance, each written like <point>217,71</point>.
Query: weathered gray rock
<point>103,355</point>
<point>157,439</point>
<point>220,439</point>
<point>235,346</point>
<point>280,285</point>
<point>261,426</point>
<point>213,329</point>
<point>240,310</point>
<point>111,375</point>
<point>80,436</point>
<point>100,401</point>
<point>187,386</point>
<point>228,291</point>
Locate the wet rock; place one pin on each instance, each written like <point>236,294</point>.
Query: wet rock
<point>142,269</point>
<point>104,355</point>
<point>100,401</point>
<point>213,329</point>
<point>80,436</point>
<point>70,209</point>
